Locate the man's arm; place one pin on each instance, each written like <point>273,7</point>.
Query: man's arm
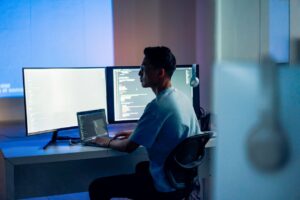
<point>120,142</point>
<point>125,145</point>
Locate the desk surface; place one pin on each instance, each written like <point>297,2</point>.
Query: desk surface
<point>23,161</point>
<point>28,149</point>
<point>22,149</point>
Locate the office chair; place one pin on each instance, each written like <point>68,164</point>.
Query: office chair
<point>181,165</point>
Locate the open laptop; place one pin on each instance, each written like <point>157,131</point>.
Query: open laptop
<point>92,124</point>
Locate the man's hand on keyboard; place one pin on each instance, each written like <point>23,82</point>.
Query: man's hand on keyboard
<point>102,141</point>
<point>122,135</point>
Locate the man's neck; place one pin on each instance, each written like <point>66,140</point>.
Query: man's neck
<point>161,87</point>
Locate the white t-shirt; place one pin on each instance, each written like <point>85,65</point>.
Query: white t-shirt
<point>167,120</point>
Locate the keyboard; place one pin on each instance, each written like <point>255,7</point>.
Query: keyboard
<point>91,144</point>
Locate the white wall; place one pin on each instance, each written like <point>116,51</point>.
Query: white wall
<point>247,30</point>
<point>295,31</point>
<point>237,30</point>
<point>240,125</point>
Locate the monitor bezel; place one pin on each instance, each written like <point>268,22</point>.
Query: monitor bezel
<point>110,95</point>
<point>25,103</point>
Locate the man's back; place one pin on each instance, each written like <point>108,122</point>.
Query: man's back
<point>167,120</point>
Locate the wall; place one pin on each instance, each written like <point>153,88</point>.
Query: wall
<point>138,24</point>
<point>205,48</point>
<point>49,34</point>
<point>12,109</point>
<point>187,27</point>
<point>238,30</point>
<point>295,31</point>
<point>248,30</point>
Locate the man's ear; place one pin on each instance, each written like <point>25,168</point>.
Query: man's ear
<point>162,73</point>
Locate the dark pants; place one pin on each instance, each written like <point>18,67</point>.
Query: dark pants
<point>134,186</point>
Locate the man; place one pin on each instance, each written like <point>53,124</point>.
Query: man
<point>167,120</point>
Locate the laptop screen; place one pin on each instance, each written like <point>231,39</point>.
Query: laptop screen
<point>92,124</point>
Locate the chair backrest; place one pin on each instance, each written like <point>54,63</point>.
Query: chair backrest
<point>182,163</point>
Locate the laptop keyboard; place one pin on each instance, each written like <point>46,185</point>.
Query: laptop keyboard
<point>90,143</point>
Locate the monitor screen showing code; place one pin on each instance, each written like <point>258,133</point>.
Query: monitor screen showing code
<point>130,98</point>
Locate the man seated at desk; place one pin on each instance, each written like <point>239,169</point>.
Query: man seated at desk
<point>167,120</point>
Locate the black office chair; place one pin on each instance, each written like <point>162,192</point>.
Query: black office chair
<point>181,165</point>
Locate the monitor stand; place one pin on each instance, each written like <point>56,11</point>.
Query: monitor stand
<point>55,137</point>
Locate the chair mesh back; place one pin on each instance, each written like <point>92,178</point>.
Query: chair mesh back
<point>177,167</point>
<point>189,151</point>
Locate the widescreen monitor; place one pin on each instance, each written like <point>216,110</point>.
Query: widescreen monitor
<point>129,99</point>
<point>53,96</point>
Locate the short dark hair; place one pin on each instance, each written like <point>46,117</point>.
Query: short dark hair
<point>161,57</point>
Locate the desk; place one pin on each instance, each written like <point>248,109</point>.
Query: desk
<point>26,170</point>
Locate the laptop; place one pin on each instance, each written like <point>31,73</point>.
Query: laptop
<point>92,124</point>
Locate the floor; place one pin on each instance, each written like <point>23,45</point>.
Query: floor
<point>74,196</point>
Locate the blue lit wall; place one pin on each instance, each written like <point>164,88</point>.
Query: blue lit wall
<point>52,33</point>
<point>279,30</point>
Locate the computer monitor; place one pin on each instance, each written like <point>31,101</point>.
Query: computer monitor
<point>129,99</point>
<point>53,96</point>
